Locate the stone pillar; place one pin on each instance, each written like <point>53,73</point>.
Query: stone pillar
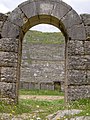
<point>79,64</point>
<point>8,64</point>
<point>8,68</point>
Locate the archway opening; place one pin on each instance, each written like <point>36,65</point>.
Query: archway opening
<point>43,60</point>
<point>46,19</point>
<point>43,68</point>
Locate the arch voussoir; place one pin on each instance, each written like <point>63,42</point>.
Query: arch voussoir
<point>71,19</point>
<point>17,17</point>
<point>60,10</point>
<point>29,9</point>
<point>10,30</point>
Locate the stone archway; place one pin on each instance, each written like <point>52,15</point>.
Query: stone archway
<point>20,20</point>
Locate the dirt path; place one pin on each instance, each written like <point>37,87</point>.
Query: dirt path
<point>41,97</point>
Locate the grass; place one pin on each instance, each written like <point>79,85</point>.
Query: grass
<point>42,108</point>
<point>41,92</point>
<point>83,104</point>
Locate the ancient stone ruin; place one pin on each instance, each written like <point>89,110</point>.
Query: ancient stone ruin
<point>42,65</point>
<point>75,28</point>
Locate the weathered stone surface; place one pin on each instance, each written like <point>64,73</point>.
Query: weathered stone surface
<point>54,21</point>
<point>87,62</point>
<point>77,32</point>
<point>45,51</point>
<point>3,17</point>
<point>77,77</point>
<point>44,7</point>
<point>87,47</point>
<point>28,10</point>
<point>77,62</point>
<point>8,59</point>
<point>25,3</point>
<point>10,30</point>
<point>70,19</point>
<point>75,47</point>
<point>9,44</point>
<point>1,24</point>
<point>45,19</point>
<point>86,19</point>
<point>17,17</point>
<point>8,74</point>
<point>60,10</point>
<point>8,90</point>
<point>40,71</point>
<point>78,92</point>
<point>88,75</point>
<point>87,28</point>
<point>61,114</point>
<point>33,21</point>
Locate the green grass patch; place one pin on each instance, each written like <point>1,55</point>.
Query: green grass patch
<point>41,92</point>
<point>83,104</point>
<point>42,108</point>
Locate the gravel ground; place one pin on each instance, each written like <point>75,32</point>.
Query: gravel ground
<point>40,97</point>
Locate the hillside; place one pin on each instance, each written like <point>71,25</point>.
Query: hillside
<point>44,38</point>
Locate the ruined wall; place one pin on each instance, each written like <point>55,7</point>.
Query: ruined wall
<point>42,65</point>
<point>8,56</point>
<point>74,27</point>
<point>79,63</point>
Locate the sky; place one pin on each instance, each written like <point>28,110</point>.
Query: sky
<point>80,6</point>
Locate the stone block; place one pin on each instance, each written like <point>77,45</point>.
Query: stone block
<point>88,75</point>
<point>87,28</point>
<point>86,19</point>
<point>70,19</point>
<point>78,92</point>
<point>87,62</point>
<point>29,9</point>
<point>34,21</point>
<point>60,10</point>
<point>45,19</point>
<point>55,22</point>
<point>1,24</point>
<point>75,47</point>
<point>8,59</point>
<point>77,32</point>
<point>25,3</point>
<point>77,62</point>
<point>10,30</point>
<point>44,7</point>
<point>77,77</point>
<point>9,44</point>
<point>8,90</point>
<point>87,47</point>
<point>8,74</point>
<point>17,17</point>
<point>3,17</point>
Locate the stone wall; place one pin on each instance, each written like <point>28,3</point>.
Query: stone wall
<point>8,63</point>
<point>79,64</point>
<point>42,65</point>
<point>74,27</point>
